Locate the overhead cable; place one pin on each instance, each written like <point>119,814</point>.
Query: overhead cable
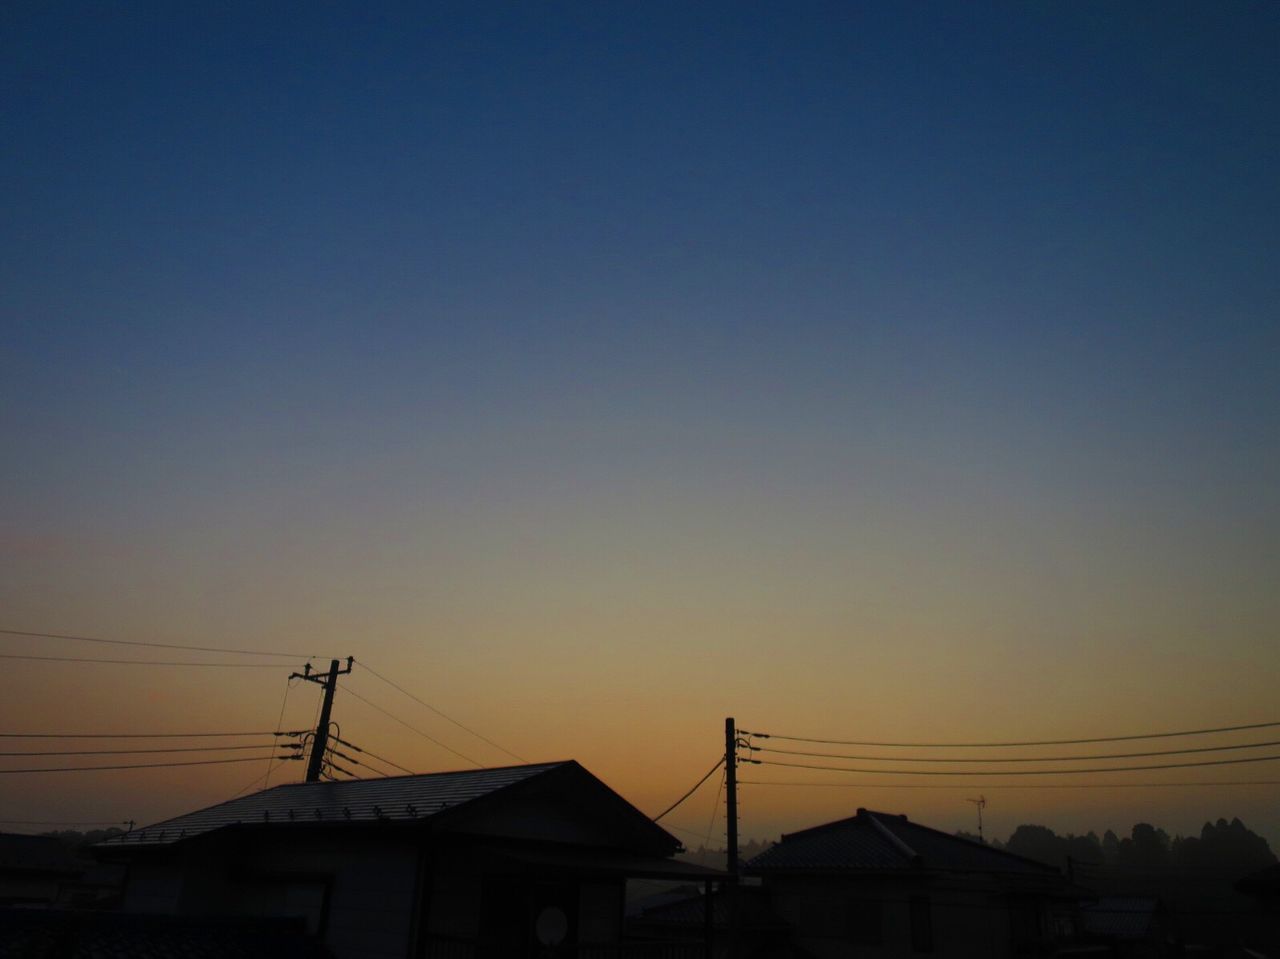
<point>169,749</point>
<point>426,736</point>
<point>268,732</point>
<point>1036,742</point>
<point>89,769</point>
<point>1012,772</point>
<point>694,789</point>
<point>1014,759</point>
<point>369,752</point>
<point>134,662</point>
<point>138,642</point>
<point>440,713</point>
<point>63,822</point>
<point>987,785</point>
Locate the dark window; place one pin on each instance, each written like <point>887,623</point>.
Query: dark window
<point>921,925</point>
<point>865,924</point>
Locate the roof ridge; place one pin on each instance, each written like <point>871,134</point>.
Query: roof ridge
<point>897,841</point>
<point>351,790</point>
<point>985,846</point>
<point>439,772</point>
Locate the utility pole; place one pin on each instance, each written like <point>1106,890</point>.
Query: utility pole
<point>320,742</point>
<point>731,822</point>
<point>731,793</point>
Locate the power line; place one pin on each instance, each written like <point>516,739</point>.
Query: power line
<point>137,642</point>
<point>267,732</point>
<point>1012,772</point>
<point>1039,742</point>
<point>719,763</point>
<point>987,785</point>
<point>715,809</point>
<point>442,714</point>
<point>87,769</point>
<point>249,785</point>
<point>1017,759</point>
<point>170,749</point>
<point>134,662</point>
<point>372,754</point>
<point>63,822</point>
<point>288,685</point>
<point>415,729</point>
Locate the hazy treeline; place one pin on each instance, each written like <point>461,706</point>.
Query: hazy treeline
<point>79,842</point>
<point>1226,848</point>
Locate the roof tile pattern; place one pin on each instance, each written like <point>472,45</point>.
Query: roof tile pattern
<point>881,841</point>
<point>395,798</point>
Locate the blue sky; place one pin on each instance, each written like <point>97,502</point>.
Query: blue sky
<point>949,323</point>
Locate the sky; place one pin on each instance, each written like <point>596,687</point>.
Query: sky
<point>595,372</point>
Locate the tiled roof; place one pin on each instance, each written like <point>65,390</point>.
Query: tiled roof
<point>1121,917</point>
<point>395,798</point>
<point>881,841</point>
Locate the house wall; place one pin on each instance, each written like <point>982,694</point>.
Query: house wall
<point>19,888</point>
<point>836,917</point>
<point>357,896</point>
<point>460,880</point>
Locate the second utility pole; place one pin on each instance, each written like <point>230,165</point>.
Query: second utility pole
<point>320,742</point>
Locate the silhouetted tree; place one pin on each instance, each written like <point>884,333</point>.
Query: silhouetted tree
<point>1039,843</point>
<point>1226,848</point>
<point>1110,847</point>
<point>79,843</point>
<point>1148,848</point>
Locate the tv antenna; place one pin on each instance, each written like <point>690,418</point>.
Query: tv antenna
<point>980,802</point>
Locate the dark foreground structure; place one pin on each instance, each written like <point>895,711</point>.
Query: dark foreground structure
<point>511,862</point>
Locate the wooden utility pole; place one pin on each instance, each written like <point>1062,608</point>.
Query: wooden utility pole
<point>731,793</point>
<point>731,822</point>
<point>320,741</point>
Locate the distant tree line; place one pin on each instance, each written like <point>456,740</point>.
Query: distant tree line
<point>79,843</point>
<point>1225,848</point>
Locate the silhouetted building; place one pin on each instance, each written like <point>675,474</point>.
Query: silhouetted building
<point>35,869</point>
<point>517,861</point>
<point>878,885</point>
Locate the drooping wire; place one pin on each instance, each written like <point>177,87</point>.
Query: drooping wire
<point>415,729</point>
<point>1014,759</point>
<point>1037,742</point>
<point>249,785</point>
<point>288,685</point>
<point>692,790</point>
<point>715,810</point>
<point>443,715</point>
<point>136,642</point>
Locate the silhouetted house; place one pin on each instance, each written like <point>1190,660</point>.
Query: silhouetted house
<point>879,885</point>
<point>34,869</point>
<point>1263,887</point>
<point>522,860</point>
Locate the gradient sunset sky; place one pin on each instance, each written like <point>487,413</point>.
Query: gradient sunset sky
<point>597,371</point>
